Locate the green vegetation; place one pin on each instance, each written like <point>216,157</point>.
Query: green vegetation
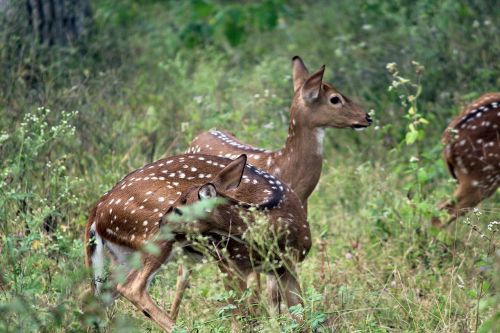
<point>150,75</point>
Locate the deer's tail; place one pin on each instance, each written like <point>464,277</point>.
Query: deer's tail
<point>94,253</point>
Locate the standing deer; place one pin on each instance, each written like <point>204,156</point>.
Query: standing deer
<point>141,205</point>
<point>472,153</point>
<point>315,106</point>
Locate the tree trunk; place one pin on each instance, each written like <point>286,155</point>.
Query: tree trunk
<point>58,22</point>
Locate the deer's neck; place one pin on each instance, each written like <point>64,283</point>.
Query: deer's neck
<point>299,163</point>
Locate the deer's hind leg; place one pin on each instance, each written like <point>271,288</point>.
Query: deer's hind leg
<point>135,287</point>
<point>120,256</point>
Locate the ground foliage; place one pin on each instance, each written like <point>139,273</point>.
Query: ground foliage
<point>150,75</point>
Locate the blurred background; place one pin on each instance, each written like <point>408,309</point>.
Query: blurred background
<point>91,90</point>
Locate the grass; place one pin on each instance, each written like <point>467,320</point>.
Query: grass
<point>142,92</point>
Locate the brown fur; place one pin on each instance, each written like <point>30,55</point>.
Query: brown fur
<point>133,212</point>
<point>472,153</point>
<point>299,162</point>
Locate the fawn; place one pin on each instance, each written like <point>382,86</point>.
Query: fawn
<point>135,211</point>
<point>472,153</point>
<point>315,106</point>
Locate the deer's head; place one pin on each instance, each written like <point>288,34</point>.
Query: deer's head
<point>318,104</point>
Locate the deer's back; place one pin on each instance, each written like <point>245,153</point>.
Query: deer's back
<point>133,210</point>
<point>472,142</point>
<point>223,144</point>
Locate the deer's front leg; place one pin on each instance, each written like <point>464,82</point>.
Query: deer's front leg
<point>183,274</point>
<point>284,286</point>
<point>273,294</point>
<point>135,288</point>
<point>290,288</point>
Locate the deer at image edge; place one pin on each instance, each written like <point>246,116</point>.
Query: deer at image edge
<point>472,154</point>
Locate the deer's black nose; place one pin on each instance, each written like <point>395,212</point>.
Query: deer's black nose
<point>369,119</point>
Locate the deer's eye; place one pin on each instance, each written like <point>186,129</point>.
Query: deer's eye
<point>335,100</point>
<point>178,211</point>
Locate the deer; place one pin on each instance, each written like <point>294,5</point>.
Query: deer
<point>472,153</point>
<point>136,211</point>
<point>316,105</point>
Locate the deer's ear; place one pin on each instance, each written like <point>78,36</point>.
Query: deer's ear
<point>312,86</point>
<point>230,177</point>
<point>299,72</point>
<point>207,191</point>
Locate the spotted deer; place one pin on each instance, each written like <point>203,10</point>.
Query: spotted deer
<point>316,105</point>
<point>135,211</point>
<point>472,153</point>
